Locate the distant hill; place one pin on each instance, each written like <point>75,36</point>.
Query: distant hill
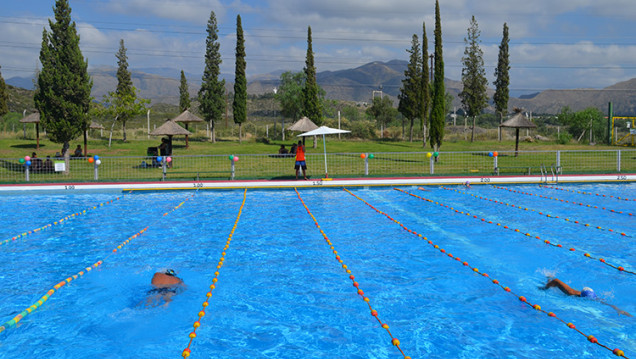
<point>358,84</point>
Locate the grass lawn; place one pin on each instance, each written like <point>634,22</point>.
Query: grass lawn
<point>16,146</point>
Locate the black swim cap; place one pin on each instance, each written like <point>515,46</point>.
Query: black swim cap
<point>170,272</point>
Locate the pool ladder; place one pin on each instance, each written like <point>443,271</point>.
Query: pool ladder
<point>552,176</point>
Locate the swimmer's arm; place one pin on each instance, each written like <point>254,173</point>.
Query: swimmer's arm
<point>564,287</point>
<point>617,309</point>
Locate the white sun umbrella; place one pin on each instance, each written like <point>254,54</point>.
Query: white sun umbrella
<point>323,130</point>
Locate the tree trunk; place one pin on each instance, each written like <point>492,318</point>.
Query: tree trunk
<point>411,132</point>
<point>212,132</point>
<point>315,142</point>
<point>517,143</point>
<point>85,143</point>
<point>500,122</point>
<point>424,136</point>
<point>123,126</point>
<point>240,131</point>
<point>67,158</point>
<point>472,134</point>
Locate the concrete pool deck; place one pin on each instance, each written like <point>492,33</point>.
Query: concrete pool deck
<point>311,183</point>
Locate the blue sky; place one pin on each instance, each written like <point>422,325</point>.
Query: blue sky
<point>554,44</point>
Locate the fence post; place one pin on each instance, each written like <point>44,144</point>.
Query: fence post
<point>163,167</point>
<point>432,161</point>
<point>558,161</point>
<point>26,171</point>
<point>618,161</point>
<point>366,163</point>
<point>232,164</point>
<point>495,164</point>
<point>96,172</point>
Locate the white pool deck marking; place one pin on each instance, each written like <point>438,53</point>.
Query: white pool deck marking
<point>312,183</point>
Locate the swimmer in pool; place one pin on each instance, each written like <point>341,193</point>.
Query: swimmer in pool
<point>165,286</point>
<point>586,292</point>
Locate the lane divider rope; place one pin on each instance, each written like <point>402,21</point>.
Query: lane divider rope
<point>563,200</point>
<point>187,351</point>
<point>523,299</point>
<point>554,245</point>
<point>15,320</point>
<point>587,193</point>
<point>59,221</point>
<point>538,212</point>
<point>360,292</point>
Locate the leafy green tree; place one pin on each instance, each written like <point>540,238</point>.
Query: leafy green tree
<point>411,92</point>
<point>425,90</point>
<point>184,94</point>
<point>239,105</point>
<point>290,94</point>
<point>579,124</point>
<point>4,97</point>
<point>438,104</point>
<point>125,91</point>
<point>311,100</point>
<point>64,94</point>
<point>502,78</point>
<point>212,91</point>
<point>473,95</point>
<point>125,105</point>
<point>382,110</point>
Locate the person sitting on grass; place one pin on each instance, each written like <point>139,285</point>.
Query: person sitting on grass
<point>586,292</point>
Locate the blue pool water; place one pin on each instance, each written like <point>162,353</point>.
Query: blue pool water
<point>282,294</point>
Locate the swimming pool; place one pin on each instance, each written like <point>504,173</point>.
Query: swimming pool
<point>281,292</point>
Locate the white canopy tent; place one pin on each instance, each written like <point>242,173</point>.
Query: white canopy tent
<point>323,130</point>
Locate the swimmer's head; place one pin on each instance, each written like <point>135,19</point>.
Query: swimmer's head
<point>171,273</point>
<point>588,292</point>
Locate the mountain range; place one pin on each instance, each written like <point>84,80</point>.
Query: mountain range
<point>360,84</point>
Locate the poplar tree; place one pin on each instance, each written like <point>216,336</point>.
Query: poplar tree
<point>411,92</point>
<point>212,91</point>
<point>4,96</point>
<point>502,78</point>
<point>184,94</point>
<point>125,88</point>
<point>311,101</point>
<point>239,105</point>
<point>64,94</point>
<point>438,105</point>
<point>473,95</point>
<point>425,90</point>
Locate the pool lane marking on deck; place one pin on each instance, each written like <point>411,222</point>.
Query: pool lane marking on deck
<point>564,200</point>
<point>187,351</point>
<point>572,249</point>
<point>537,212</point>
<point>587,193</point>
<point>15,320</point>
<point>590,338</point>
<point>360,292</point>
<point>60,221</point>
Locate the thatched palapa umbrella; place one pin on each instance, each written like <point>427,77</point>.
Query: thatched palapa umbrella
<point>187,117</point>
<point>303,125</point>
<point>519,120</point>
<point>34,118</point>
<point>169,128</point>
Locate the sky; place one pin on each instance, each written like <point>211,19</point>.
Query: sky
<point>560,44</point>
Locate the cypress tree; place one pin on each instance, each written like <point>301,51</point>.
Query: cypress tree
<point>4,96</point>
<point>473,95</point>
<point>411,91</point>
<point>124,84</point>
<point>184,94</point>
<point>212,91</point>
<point>438,105</point>
<point>502,78</point>
<point>239,105</point>
<point>425,89</point>
<point>311,102</point>
<point>63,98</point>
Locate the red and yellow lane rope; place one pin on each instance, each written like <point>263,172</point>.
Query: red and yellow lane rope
<point>360,292</point>
<point>555,245</point>
<point>563,200</point>
<point>15,320</point>
<point>523,299</point>
<point>60,221</point>
<point>587,193</point>
<point>187,351</point>
<point>538,212</point>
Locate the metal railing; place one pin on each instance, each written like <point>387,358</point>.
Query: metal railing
<point>387,164</point>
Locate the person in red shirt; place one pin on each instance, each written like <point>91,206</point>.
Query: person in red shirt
<point>300,160</point>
